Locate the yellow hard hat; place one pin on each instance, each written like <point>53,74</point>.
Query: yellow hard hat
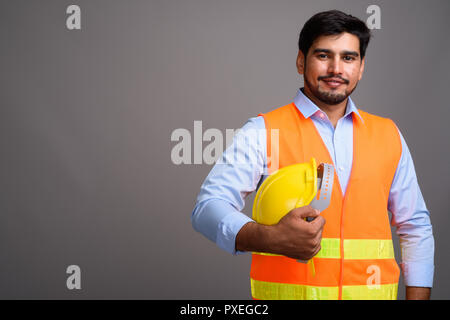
<point>292,187</point>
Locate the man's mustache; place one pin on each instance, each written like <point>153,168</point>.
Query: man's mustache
<point>333,77</point>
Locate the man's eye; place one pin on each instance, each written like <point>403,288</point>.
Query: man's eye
<point>349,58</point>
<point>322,56</point>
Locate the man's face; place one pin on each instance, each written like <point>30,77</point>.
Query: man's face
<point>333,67</point>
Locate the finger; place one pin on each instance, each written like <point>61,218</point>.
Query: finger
<point>307,211</point>
<point>318,236</point>
<point>316,251</point>
<point>318,223</point>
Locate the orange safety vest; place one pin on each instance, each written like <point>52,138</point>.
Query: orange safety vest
<point>356,260</point>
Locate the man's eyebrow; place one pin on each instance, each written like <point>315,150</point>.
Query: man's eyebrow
<point>344,53</point>
<point>321,50</point>
<point>350,53</point>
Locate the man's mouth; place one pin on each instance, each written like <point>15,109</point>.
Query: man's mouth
<point>333,82</point>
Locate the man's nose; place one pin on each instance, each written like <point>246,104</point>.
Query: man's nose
<point>335,66</point>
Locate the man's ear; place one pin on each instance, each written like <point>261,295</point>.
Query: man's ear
<point>361,68</point>
<point>300,62</point>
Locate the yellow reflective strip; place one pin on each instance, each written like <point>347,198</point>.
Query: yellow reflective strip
<point>370,292</point>
<point>282,291</point>
<point>353,249</point>
<point>330,249</point>
<point>368,249</point>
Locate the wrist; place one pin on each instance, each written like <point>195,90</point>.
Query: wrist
<point>255,237</point>
<point>418,293</point>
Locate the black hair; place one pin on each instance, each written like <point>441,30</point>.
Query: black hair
<point>333,22</point>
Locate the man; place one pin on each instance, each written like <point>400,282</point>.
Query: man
<point>374,174</point>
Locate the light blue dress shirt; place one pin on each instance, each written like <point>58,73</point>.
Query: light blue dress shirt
<point>217,213</point>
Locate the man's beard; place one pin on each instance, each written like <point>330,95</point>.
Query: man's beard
<point>328,97</point>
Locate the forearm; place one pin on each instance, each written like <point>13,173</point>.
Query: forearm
<point>254,237</point>
<point>418,293</point>
<point>417,248</point>
<point>219,221</point>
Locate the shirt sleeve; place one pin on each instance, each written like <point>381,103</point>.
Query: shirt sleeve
<point>217,212</point>
<point>412,219</point>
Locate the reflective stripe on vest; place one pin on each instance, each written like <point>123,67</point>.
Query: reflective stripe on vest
<point>357,257</point>
<point>353,249</point>
<point>280,291</point>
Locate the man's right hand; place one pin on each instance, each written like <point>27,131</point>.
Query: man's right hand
<point>292,236</point>
<point>296,238</point>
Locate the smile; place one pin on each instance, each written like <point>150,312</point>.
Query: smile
<point>333,83</point>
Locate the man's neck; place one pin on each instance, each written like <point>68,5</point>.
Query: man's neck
<point>334,112</point>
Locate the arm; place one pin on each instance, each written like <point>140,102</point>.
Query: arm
<point>412,219</point>
<point>217,212</point>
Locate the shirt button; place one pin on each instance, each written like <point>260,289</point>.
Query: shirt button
<point>341,168</point>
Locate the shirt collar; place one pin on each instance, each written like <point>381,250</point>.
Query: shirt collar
<point>308,108</point>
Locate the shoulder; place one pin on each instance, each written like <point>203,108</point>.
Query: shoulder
<point>372,117</point>
<point>280,116</point>
<point>382,128</point>
<point>281,109</point>
<point>377,121</point>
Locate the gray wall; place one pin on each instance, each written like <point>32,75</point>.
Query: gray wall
<point>86,176</point>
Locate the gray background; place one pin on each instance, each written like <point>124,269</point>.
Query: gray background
<point>86,117</point>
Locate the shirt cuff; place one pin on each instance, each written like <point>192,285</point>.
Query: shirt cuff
<point>418,274</point>
<point>228,228</point>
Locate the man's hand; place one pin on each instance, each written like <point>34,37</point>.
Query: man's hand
<point>292,236</point>
<point>297,238</point>
<point>418,293</point>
